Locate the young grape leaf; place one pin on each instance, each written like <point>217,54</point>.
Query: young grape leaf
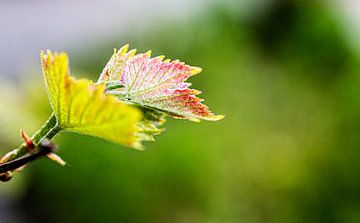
<point>84,108</point>
<point>150,124</point>
<point>155,83</point>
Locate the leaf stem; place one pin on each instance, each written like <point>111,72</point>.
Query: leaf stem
<point>44,149</point>
<point>48,130</point>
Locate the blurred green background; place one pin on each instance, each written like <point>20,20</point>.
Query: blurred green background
<point>287,78</point>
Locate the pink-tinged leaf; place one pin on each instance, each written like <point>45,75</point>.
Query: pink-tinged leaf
<point>155,83</point>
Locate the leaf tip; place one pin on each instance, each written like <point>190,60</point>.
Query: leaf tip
<point>124,49</point>
<point>148,53</point>
<point>138,146</point>
<point>218,117</point>
<point>195,70</point>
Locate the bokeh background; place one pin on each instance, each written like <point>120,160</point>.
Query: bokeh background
<point>285,73</point>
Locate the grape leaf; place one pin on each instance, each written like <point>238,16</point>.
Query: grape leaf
<point>150,124</point>
<point>84,108</point>
<point>155,83</point>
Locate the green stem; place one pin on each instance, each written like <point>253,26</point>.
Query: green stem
<point>48,130</point>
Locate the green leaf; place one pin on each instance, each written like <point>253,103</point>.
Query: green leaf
<point>83,107</point>
<point>150,124</point>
